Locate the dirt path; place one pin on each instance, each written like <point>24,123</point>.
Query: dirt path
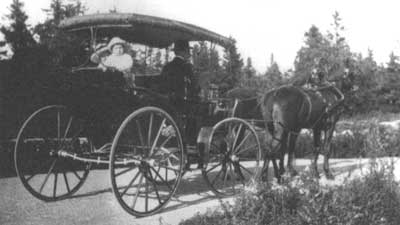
<point>95,203</point>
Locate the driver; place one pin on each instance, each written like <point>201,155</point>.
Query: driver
<point>113,56</point>
<point>181,84</point>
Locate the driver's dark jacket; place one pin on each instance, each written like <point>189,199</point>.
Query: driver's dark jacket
<point>179,80</point>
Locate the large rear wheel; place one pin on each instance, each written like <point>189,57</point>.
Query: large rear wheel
<point>41,169</point>
<point>146,161</point>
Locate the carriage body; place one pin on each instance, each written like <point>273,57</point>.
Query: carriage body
<point>148,144</point>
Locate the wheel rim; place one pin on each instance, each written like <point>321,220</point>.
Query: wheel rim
<point>233,157</point>
<point>43,173</point>
<point>150,137</point>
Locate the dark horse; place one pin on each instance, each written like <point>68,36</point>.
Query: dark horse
<point>288,109</point>
<point>247,106</point>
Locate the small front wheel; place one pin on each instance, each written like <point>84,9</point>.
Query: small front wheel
<point>146,161</point>
<point>232,157</point>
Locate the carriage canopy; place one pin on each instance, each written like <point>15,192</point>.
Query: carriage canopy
<point>148,30</point>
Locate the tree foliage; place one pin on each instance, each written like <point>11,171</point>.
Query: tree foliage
<point>232,65</point>
<point>17,33</point>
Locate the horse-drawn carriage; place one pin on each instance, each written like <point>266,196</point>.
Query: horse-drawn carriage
<point>147,144</point>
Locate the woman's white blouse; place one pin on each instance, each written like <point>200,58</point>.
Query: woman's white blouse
<point>122,62</point>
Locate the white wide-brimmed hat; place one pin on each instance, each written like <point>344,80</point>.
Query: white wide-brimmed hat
<point>116,41</point>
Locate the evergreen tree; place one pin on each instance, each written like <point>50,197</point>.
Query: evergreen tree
<point>316,47</point>
<point>232,65</point>
<point>67,50</point>
<point>48,31</point>
<point>249,70</point>
<point>274,75</point>
<point>331,49</point>
<point>393,65</point>
<point>214,60</point>
<point>17,34</point>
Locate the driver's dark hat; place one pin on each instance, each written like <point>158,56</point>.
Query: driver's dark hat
<point>181,45</point>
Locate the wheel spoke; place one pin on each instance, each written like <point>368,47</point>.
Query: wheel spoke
<point>170,164</point>
<point>213,167</point>
<point>155,186</point>
<point>58,124</point>
<point>139,128</point>
<point>72,170</point>
<point>169,153</point>
<point>150,129</point>
<point>130,184</point>
<point>162,179</point>
<point>165,141</point>
<point>215,178</point>
<point>30,177</point>
<point>66,182</point>
<point>68,127</point>
<point>47,176</point>
<point>138,191</point>
<point>146,192</point>
<point>55,184</point>
<point>125,171</point>
<point>242,142</point>
<point>247,170</point>
<point>170,168</point>
<point>43,165</point>
<point>232,176</point>
<point>236,136</point>
<point>246,149</point>
<point>157,137</point>
<point>225,177</point>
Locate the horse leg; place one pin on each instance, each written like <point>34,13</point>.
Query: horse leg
<point>264,171</point>
<point>282,150</point>
<point>328,148</point>
<point>317,144</point>
<point>292,143</point>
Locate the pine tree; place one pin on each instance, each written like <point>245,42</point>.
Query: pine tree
<point>232,65</point>
<point>393,65</point>
<point>249,70</point>
<point>327,53</point>
<point>68,50</point>
<point>17,34</point>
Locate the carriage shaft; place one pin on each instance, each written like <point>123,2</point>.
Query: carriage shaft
<point>98,160</point>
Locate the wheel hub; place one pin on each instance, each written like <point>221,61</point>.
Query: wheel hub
<point>234,158</point>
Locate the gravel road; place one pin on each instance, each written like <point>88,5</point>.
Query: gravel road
<point>95,203</point>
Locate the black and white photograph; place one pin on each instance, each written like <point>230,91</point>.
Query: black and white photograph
<point>211,112</point>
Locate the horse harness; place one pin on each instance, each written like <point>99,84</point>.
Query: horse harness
<point>318,93</point>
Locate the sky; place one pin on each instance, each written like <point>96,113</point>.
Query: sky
<point>264,27</point>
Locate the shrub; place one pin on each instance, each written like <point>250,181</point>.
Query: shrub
<point>373,199</point>
<point>356,139</point>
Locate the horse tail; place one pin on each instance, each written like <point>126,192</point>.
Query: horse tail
<point>267,103</point>
<point>277,119</point>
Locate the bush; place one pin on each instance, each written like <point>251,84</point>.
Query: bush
<point>363,138</point>
<point>373,199</point>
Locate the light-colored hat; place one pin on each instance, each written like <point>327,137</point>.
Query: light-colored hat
<point>116,41</point>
